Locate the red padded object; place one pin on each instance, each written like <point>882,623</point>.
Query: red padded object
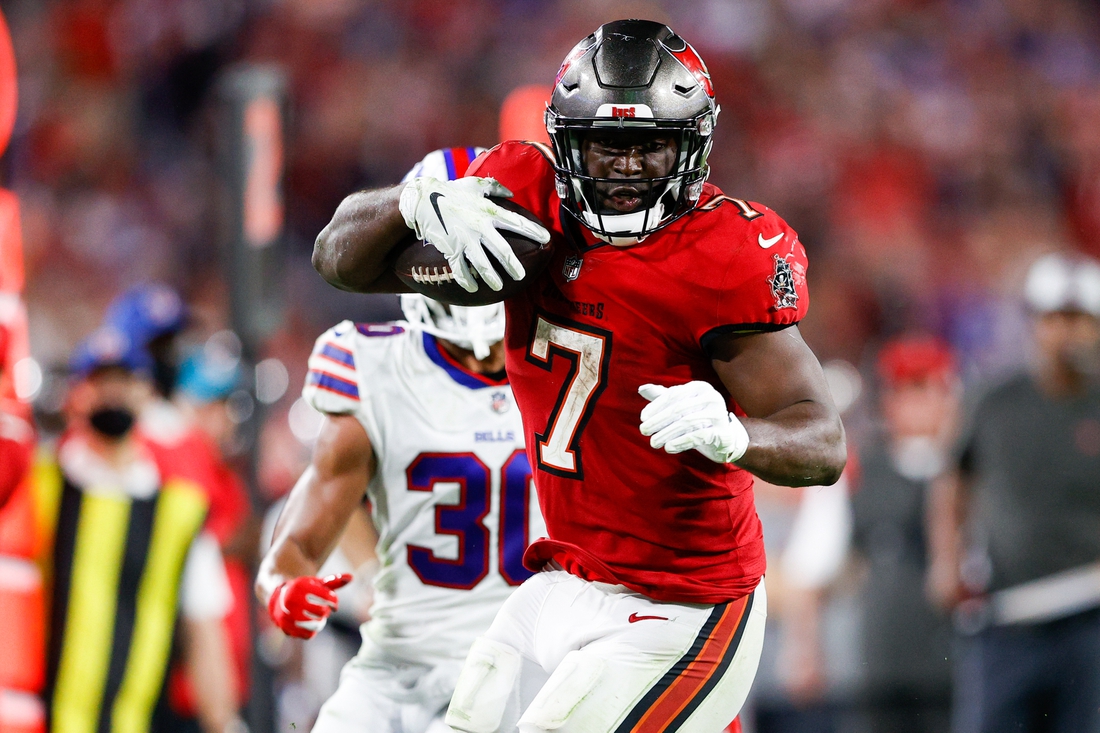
<point>8,90</point>
<point>23,633</point>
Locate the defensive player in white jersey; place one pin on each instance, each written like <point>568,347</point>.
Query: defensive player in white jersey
<point>420,417</point>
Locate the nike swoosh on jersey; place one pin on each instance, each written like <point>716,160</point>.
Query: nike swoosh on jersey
<point>765,243</point>
<point>435,195</point>
<point>634,618</point>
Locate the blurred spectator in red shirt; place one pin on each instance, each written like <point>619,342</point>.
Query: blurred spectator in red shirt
<point>189,434</point>
<point>154,315</point>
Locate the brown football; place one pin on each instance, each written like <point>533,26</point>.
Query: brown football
<point>424,269</point>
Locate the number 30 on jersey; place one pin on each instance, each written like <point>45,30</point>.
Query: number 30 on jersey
<point>466,519</point>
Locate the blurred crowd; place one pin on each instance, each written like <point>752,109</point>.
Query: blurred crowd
<point>924,150</point>
<point>927,151</point>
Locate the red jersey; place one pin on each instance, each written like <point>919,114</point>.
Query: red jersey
<point>603,320</point>
<point>181,448</point>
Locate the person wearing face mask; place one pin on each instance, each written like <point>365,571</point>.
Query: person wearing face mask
<point>904,641</point>
<point>132,569</point>
<point>153,316</point>
<point>1016,524</point>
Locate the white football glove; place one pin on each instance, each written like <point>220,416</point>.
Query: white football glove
<point>692,415</point>
<point>459,221</point>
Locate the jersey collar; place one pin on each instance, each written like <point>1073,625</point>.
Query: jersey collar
<point>456,371</point>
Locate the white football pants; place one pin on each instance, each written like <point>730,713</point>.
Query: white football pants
<point>381,695</point>
<point>573,656</point>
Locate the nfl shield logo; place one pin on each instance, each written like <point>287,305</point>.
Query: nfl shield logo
<point>499,402</point>
<point>572,268</point>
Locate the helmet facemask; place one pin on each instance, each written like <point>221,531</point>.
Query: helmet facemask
<point>475,328</point>
<point>662,198</point>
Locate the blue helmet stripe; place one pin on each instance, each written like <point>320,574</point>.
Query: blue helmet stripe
<point>449,158</point>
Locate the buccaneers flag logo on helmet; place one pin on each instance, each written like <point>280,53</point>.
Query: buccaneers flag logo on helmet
<point>693,63</point>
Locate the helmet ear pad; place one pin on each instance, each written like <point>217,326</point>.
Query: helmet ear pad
<point>640,76</point>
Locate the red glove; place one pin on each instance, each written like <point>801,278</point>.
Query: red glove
<point>301,606</point>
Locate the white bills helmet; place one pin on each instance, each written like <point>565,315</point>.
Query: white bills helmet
<point>470,327</point>
<point>473,327</point>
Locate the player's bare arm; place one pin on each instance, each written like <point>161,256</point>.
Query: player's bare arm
<point>351,251</point>
<point>319,505</point>
<point>310,526</point>
<point>792,434</point>
<point>795,434</point>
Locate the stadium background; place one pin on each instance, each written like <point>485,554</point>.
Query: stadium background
<point>926,150</point>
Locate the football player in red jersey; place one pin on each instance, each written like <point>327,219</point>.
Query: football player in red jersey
<point>657,364</point>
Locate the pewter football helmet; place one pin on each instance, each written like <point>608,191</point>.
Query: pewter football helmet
<point>637,75</point>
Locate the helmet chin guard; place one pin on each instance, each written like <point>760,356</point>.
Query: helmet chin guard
<point>475,328</point>
<point>636,76</point>
<point>623,229</point>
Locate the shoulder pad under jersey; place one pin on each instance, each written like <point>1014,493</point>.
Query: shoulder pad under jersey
<point>334,382</point>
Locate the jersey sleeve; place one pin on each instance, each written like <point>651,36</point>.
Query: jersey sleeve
<point>205,592</point>
<point>332,382</point>
<point>526,169</point>
<point>763,284</point>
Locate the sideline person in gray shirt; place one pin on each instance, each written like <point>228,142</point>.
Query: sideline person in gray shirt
<point>1026,487</point>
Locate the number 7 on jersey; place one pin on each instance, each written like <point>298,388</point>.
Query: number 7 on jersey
<point>588,351</point>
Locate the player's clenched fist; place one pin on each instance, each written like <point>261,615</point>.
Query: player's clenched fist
<point>300,607</point>
<point>692,416</point>
<point>458,220</point>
